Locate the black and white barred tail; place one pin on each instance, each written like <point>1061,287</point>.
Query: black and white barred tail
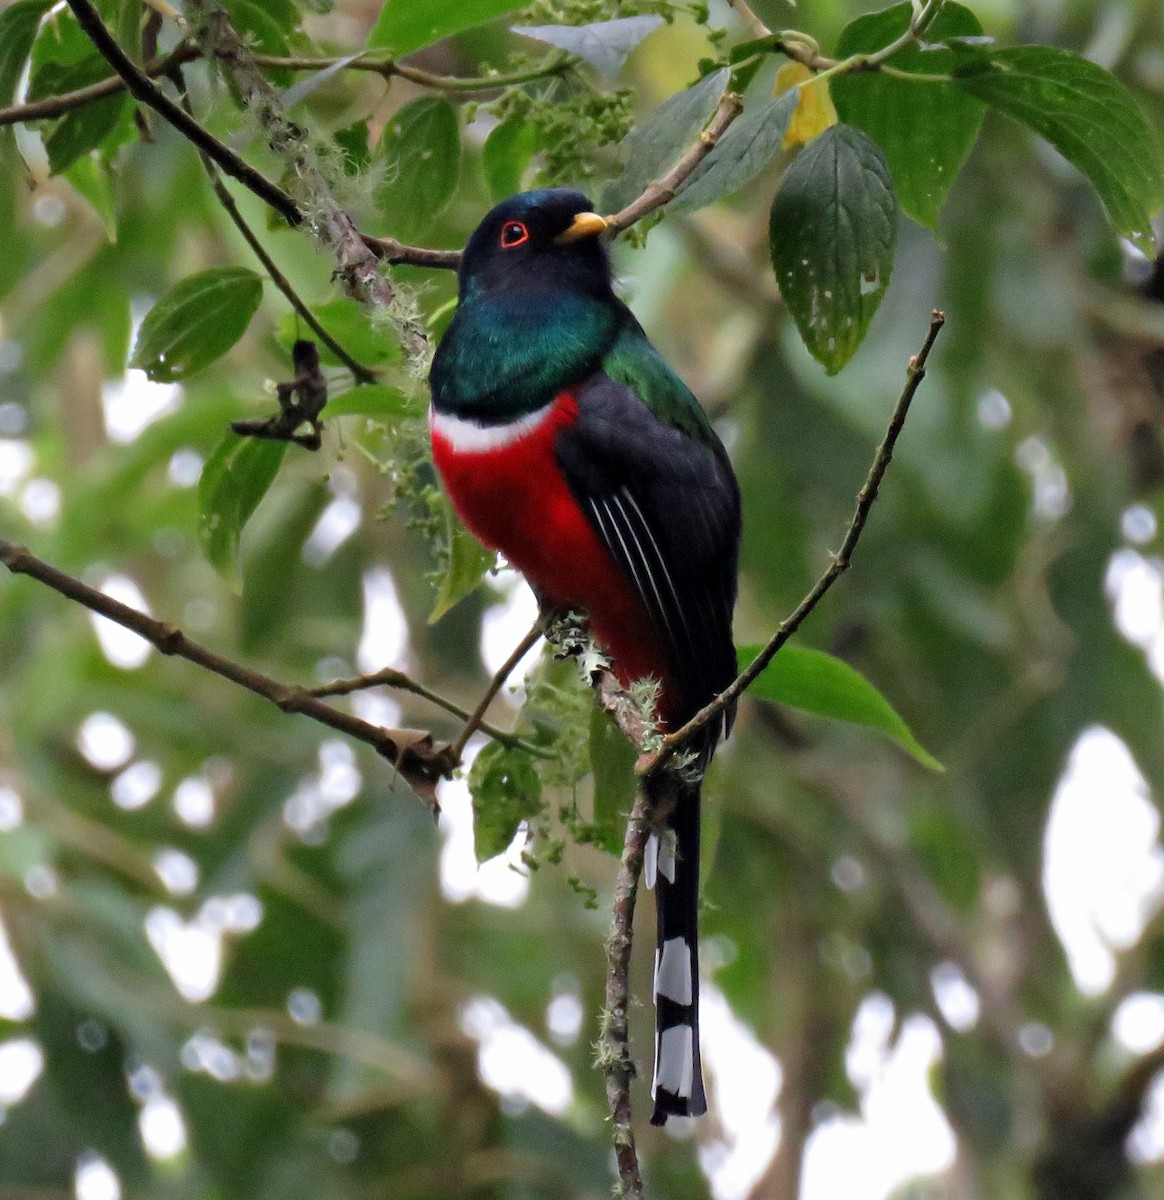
<point>671,867</point>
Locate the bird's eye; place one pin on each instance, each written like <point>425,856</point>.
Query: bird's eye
<point>513,233</point>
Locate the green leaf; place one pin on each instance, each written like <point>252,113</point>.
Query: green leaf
<point>349,322</point>
<point>373,400</point>
<point>652,147</point>
<point>196,321</point>
<point>926,129</point>
<point>235,478</point>
<point>18,26</point>
<point>506,156</point>
<point>262,31</point>
<point>421,146</point>
<point>84,128</point>
<point>612,764</point>
<point>832,233</point>
<point>604,44</point>
<point>90,176</point>
<point>506,791</point>
<point>468,561</point>
<point>1087,115</point>
<point>405,25</point>
<point>816,682</point>
<point>353,140</point>
<point>750,143</point>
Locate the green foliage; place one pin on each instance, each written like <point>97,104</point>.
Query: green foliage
<point>1087,115</point>
<point>376,400</point>
<point>195,322</point>
<point>654,145</point>
<point>351,325</point>
<point>404,26</point>
<point>818,683</point>
<point>926,128</point>
<point>612,765</point>
<point>236,477</point>
<point>18,26</point>
<point>421,148</point>
<point>751,142</point>
<point>506,791</point>
<point>464,566</point>
<point>506,155</point>
<point>832,233</point>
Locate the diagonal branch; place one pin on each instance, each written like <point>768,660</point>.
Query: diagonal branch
<point>411,751</point>
<point>865,498</point>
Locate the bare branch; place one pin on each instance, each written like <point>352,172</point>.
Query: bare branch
<point>411,751</point>
<point>613,1050</point>
<point>865,498</point>
<point>476,718</point>
<point>662,191</point>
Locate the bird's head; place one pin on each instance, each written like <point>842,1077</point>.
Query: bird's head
<point>538,239</point>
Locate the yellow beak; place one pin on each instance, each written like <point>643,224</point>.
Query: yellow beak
<point>585,224</point>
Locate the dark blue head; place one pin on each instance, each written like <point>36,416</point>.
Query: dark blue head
<point>534,240</point>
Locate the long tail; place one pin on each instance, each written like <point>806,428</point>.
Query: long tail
<point>671,865</point>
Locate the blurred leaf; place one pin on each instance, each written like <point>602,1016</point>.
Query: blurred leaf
<point>350,323</point>
<point>196,321</point>
<point>506,155</point>
<point>90,176</point>
<point>1087,115</point>
<point>654,145</point>
<point>467,563</point>
<point>926,129</point>
<point>307,84</point>
<point>87,127</point>
<point>353,140</point>
<point>404,25</point>
<point>373,400</point>
<point>814,107</point>
<point>832,233</point>
<point>612,764</point>
<point>18,26</point>
<point>421,147</point>
<point>818,683</point>
<point>235,478</point>
<point>751,142</point>
<point>506,791</point>
<point>259,26</point>
<point>605,44</point>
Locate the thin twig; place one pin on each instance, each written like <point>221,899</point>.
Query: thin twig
<point>358,267</point>
<point>865,498</point>
<point>477,716</point>
<point>411,751</point>
<point>613,1051</point>
<point>391,677</point>
<point>756,27</point>
<point>361,373</point>
<point>662,191</point>
<point>142,88</point>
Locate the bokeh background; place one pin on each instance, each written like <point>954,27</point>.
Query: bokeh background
<point>240,960</point>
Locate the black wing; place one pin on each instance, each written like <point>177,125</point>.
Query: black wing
<point>667,507</point>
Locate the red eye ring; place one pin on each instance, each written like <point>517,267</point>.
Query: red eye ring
<point>513,233</point>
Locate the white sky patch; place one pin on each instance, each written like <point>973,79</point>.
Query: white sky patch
<point>1135,587</point>
<point>564,1013</point>
<point>317,797</point>
<point>338,521</point>
<point>384,640</point>
<point>40,501</point>
<point>137,785</point>
<point>746,1081</point>
<point>177,871</point>
<point>1146,1141</point>
<point>96,1179</point>
<point>190,952</point>
<point>504,625</point>
<point>104,741</point>
<point>185,467</point>
<point>902,1133</point>
<point>1103,866</point>
<point>956,999</point>
<point>207,1053</point>
<point>377,709</point>
<point>163,1131</point>
<point>501,880</point>
<point>1052,493</point>
<point>16,460</point>
<point>11,809</point>
<point>194,802</point>
<point>17,1002</point>
<point>121,646</point>
<point>21,1064</point>
<point>132,404</point>
<point>512,1062</point>
<point>1138,1022</point>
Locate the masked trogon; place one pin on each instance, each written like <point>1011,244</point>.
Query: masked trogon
<point>566,442</point>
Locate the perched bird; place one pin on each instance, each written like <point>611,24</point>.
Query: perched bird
<point>566,442</point>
